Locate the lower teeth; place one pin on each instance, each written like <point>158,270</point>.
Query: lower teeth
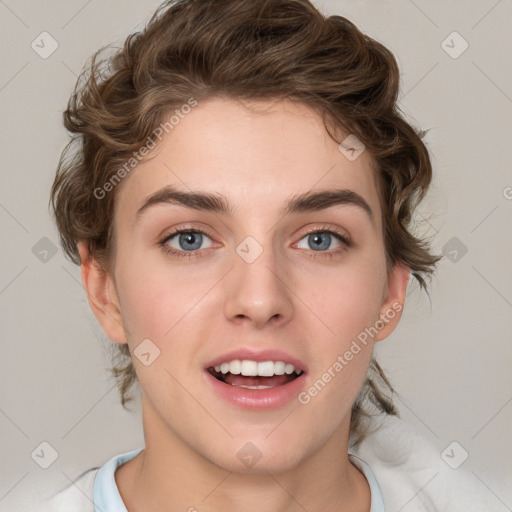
<point>253,387</point>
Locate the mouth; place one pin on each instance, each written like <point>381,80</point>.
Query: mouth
<point>250,374</point>
<point>265,383</point>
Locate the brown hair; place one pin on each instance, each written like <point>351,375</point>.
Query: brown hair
<point>244,50</point>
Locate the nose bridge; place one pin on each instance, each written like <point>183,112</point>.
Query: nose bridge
<point>257,289</point>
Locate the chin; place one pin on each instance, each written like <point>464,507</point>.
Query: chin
<point>258,455</point>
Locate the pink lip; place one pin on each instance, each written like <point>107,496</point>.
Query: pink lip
<point>259,356</point>
<point>245,398</point>
<point>257,398</point>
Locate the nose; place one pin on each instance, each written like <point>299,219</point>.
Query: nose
<point>259,292</point>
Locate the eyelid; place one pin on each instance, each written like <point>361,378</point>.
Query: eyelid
<point>342,234</point>
<point>182,228</point>
<point>178,231</point>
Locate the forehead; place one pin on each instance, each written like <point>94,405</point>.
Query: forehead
<point>255,154</point>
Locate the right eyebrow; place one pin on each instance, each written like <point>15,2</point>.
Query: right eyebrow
<point>195,200</point>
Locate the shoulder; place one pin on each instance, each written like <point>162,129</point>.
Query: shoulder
<point>96,489</point>
<point>76,497</point>
<point>412,475</point>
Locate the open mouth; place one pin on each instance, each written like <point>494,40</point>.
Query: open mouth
<point>254,375</point>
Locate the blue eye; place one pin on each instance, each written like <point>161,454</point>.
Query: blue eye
<point>188,241</point>
<point>320,241</point>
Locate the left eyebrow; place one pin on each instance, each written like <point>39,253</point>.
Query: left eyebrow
<point>307,202</point>
<point>316,201</point>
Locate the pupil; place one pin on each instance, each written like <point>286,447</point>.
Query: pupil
<point>188,240</point>
<point>317,237</point>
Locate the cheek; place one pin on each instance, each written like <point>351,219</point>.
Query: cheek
<point>162,306</point>
<point>159,301</point>
<point>349,310</point>
<point>347,298</point>
<point>348,304</point>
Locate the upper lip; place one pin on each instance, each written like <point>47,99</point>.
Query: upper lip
<point>259,356</point>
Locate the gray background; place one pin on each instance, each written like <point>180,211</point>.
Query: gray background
<point>449,359</point>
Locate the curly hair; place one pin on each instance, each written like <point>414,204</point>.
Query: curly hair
<point>242,50</point>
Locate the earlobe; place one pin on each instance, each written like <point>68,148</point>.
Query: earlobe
<point>392,307</point>
<point>102,296</point>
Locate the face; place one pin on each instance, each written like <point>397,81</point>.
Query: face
<point>266,275</point>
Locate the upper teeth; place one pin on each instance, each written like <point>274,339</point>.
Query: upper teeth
<point>253,368</point>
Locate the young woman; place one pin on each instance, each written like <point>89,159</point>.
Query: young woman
<point>238,195</point>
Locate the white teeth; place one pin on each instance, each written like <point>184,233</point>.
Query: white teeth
<point>250,368</point>
<point>254,387</point>
<point>235,367</point>
<point>266,369</point>
<point>279,367</point>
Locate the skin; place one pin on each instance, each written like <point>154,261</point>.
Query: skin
<point>196,309</point>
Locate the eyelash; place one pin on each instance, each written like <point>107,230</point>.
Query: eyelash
<point>193,254</point>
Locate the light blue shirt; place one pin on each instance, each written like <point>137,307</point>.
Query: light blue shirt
<point>108,499</point>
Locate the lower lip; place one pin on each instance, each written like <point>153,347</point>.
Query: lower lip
<point>270,398</point>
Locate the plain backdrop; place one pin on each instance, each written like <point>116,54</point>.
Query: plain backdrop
<point>450,357</point>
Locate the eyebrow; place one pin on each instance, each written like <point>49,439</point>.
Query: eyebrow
<point>307,202</point>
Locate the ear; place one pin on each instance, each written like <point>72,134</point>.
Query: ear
<point>102,296</point>
<point>393,304</point>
